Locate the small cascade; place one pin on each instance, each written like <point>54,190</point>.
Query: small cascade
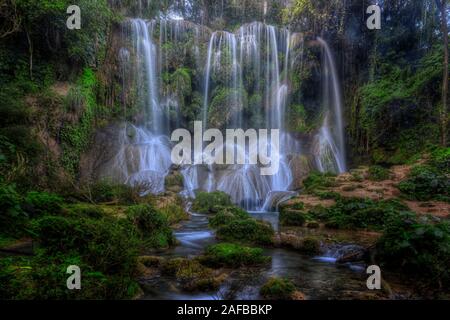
<point>330,144</point>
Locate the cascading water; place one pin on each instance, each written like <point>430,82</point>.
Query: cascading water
<point>330,143</point>
<point>252,65</point>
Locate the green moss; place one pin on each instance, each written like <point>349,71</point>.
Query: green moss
<point>246,231</point>
<point>153,226</point>
<point>317,181</point>
<point>191,275</point>
<point>226,215</point>
<point>278,289</point>
<point>233,255</point>
<point>210,202</point>
<point>76,137</point>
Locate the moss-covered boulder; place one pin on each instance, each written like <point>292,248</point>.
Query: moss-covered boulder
<point>152,225</point>
<point>191,274</point>
<point>278,289</point>
<point>210,202</point>
<point>233,255</point>
<point>246,231</point>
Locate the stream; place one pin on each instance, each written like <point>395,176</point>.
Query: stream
<point>317,277</point>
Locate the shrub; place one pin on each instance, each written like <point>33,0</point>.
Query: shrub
<point>426,183</point>
<point>233,255</point>
<point>278,289</point>
<point>107,245</point>
<point>44,278</point>
<point>39,203</point>
<point>419,249</point>
<point>317,180</point>
<point>356,213</point>
<point>153,226</point>
<point>247,231</point>
<point>378,173</point>
<point>12,217</point>
<point>290,217</point>
<point>440,159</point>
<point>210,202</point>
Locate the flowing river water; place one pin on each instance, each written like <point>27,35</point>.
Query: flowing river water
<point>318,277</point>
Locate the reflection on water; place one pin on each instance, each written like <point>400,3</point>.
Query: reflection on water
<point>317,277</point>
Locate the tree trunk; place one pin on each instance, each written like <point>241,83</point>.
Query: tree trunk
<point>30,50</point>
<point>443,110</point>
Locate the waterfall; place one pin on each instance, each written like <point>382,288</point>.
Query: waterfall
<point>330,143</point>
<point>254,63</point>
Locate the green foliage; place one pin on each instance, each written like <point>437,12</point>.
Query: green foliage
<point>12,217</point>
<point>226,215</point>
<point>39,203</point>
<point>85,210</point>
<point>44,278</point>
<point>291,217</point>
<point>210,202</point>
<point>226,104</point>
<point>235,225</point>
<point>246,231</point>
<point>425,183</point>
<point>174,212</point>
<point>440,159</point>
<point>357,213</point>
<point>418,249</point>
<point>153,226</point>
<point>398,108</point>
<point>317,180</point>
<point>233,255</point>
<point>378,173</point>
<point>278,289</point>
<point>107,245</point>
<point>76,137</point>
<point>104,191</point>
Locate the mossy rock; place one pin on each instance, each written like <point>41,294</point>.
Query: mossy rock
<point>151,261</point>
<point>226,215</point>
<point>313,225</point>
<point>310,246</point>
<point>191,274</point>
<point>278,289</point>
<point>246,231</point>
<point>233,255</point>
<point>211,202</point>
